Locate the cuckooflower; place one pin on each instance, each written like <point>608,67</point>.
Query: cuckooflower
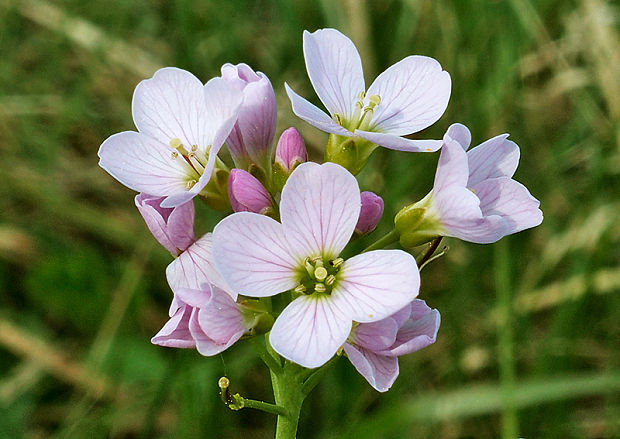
<point>370,214</point>
<point>182,125</point>
<point>474,197</point>
<point>374,348</point>
<point>261,257</point>
<point>406,98</point>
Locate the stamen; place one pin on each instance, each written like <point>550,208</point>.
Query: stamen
<point>299,289</point>
<point>194,148</point>
<point>190,184</point>
<point>309,267</point>
<point>320,288</point>
<point>174,155</point>
<point>374,101</point>
<point>193,160</point>
<point>330,280</point>
<point>337,262</point>
<point>338,118</point>
<point>320,274</point>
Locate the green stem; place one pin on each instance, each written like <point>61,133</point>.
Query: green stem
<point>510,422</point>
<point>271,362</point>
<point>287,390</point>
<point>383,242</point>
<point>315,377</point>
<point>264,406</point>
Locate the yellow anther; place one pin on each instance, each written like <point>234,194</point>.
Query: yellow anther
<point>320,288</point>
<point>338,118</point>
<point>316,259</point>
<point>320,273</point>
<point>309,267</point>
<point>361,95</point>
<point>190,184</point>
<point>330,280</point>
<point>300,289</point>
<point>337,262</point>
<point>174,155</point>
<point>175,143</point>
<point>194,148</point>
<point>374,100</point>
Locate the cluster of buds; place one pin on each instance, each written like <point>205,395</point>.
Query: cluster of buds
<point>292,218</point>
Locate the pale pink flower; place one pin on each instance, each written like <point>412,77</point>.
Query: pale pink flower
<point>182,125</point>
<point>172,227</point>
<point>406,98</point>
<point>251,139</point>
<point>374,348</point>
<point>291,150</point>
<point>474,197</point>
<point>203,313</point>
<point>261,257</point>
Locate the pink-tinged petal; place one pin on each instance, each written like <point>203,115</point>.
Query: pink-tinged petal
<point>378,370</point>
<point>319,208</point>
<point>205,345</point>
<point>456,204</point>
<point>246,193</point>
<point>222,109</point>
<point>370,213</point>
<point>392,141</point>
<point>376,335</point>
<point>253,255</point>
<point>374,285</point>
<point>195,298</point>
<point>291,149</point>
<point>335,70</point>
<point>497,157</point>
<point>403,314</point>
<point>176,333</point>
<point>221,318</point>
<point>310,330</point>
<point>459,133</point>
<point>313,115</point>
<point>452,169</point>
<point>414,94</point>
<point>482,231</point>
<point>173,228</point>
<point>143,164</point>
<point>171,105</point>
<point>510,200</point>
<point>418,332</point>
<point>195,267</point>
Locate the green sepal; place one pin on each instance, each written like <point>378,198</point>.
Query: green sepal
<point>418,224</point>
<point>351,153</point>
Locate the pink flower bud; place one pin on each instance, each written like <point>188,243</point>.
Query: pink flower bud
<point>250,141</point>
<point>172,227</point>
<point>246,193</point>
<point>291,150</point>
<point>370,214</point>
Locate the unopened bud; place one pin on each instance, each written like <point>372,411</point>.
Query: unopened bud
<point>291,150</point>
<point>246,193</point>
<point>370,213</point>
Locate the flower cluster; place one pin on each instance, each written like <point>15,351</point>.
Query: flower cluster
<point>279,264</point>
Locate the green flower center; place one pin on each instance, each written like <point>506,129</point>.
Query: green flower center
<point>318,276</point>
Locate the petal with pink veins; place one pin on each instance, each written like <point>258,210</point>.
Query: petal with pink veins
<point>392,141</point>
<point>313,115</point>
<point>380,371</point>
<point>176,333</point>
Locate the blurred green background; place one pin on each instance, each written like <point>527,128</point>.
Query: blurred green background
<point>530,338</point>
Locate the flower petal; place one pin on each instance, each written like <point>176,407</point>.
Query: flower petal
<point>313,115</point>
<point>310,330</point>
<point>375,335</point>
<point>497,157</point>
<point>511,200</point>
<point>196,267</point>
<point>418,332</point>
<point>171,105</point>
<point>222,104</point>
<point>253,255</point>
<point>452,169</point>
<point>143,164</point>
<point>221,318</point>
<point>459,133</point>
<point>205,345</point>
<point>414,94</point>
<point>398,143</point>
<point>319,209</point>
<point>335,70</point>
<point>175,333</point>
<point>378,370</point>
<point>376,284</point>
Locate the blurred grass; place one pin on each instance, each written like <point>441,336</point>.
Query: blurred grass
<point>83,285</point>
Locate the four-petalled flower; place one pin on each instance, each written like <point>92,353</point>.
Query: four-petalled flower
<point>261,257</point>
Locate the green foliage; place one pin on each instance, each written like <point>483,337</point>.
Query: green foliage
<point>82,292</point>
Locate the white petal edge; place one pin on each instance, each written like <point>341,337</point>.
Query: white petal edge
<point>398,143</point>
